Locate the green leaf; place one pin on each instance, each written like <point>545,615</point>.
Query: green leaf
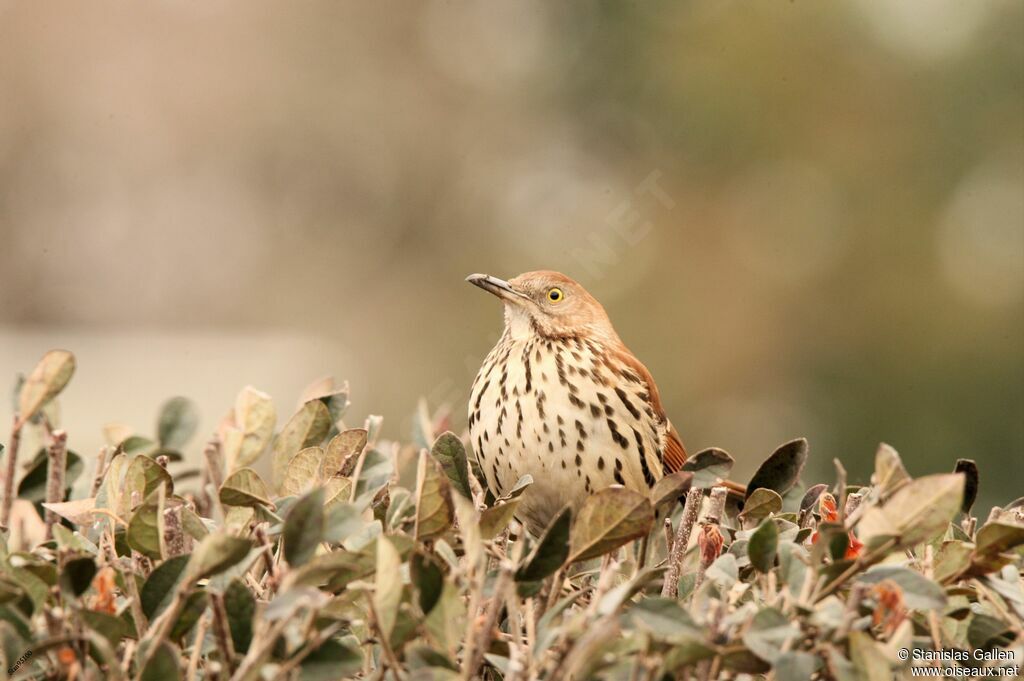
<point>917,512</point>
<point>45,382</point>
<point>768,633</point>
<point>191,611</point>
<point>33,485</point>
<point>670,488</point>
<point>709,467</point>
<point>724,572</point>
<point>428,578</point>
<point>919,592</point>
<point>342,520</point>
<point>868,657</point>
<point>344,446</point>
<point>450,452</point>
<point>607,520</point>
<point>686,653</point>
<point>376,472</point>
<point>35,588</point>
<point>136,444</point>
<point>760,504</point>
<point>143,532</point>
<point>387,595</point>
<point>496,518</point>
<point>664,618</point>
<point>986,632</point>
<point>216,553</point>
<point>522,484</point>
<point>763,546</point>
<point>890,474</point>
<point>245,487</point>
<point>304,528</point>
<point>306,428</point>
<point>76,576</point>
<point>780,471</point>
<point>254,420</point>
<point>810,499</point>
<point>997,537</point>
<point>240,606</point>
<point>158,590</point>
<point>791,666</point>
<point>337,403</point>
<point>434,507</point>
<point>952,559</point>
<point>301,473</point>
<point>164,665</point>
<point>446,623</point>
<point>551,550</point>
<point>333,659</point>
<point>108,626</point>
<point>145,476</point>
<point>177,422</point>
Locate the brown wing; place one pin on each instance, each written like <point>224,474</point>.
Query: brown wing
<point>674,453</point>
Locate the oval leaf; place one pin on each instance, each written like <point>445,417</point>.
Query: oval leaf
<point>343,447</point>
<point>245,487</point>
<point>763,546</point>
<point>45,382</point>
<point>450,452</point>
<point>306,428</point>
<point>434,508</point>
<point>302,471</point>
<point>670,488</point>
<point>255,417</point>
<point>970,473</point>
<point>917,511</point>
<point>761,504</point>
<point>216,553</point>
<point>304,528</point>
<point>781,470</point>
<point>709,467</point>
<point>607,520</point>
<point>551,550</point>
<point>177,422</point>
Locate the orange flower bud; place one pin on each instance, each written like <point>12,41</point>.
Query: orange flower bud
<point>827,508</point>
<point>710,542</point>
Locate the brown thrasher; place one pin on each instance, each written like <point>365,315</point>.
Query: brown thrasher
<point>561,398</point>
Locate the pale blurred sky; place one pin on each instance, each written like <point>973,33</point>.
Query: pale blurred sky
<point>808,219</point>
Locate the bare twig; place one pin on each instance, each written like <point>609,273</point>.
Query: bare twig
<point>259,650</point>
<point>716,505</point>
<point>490,620</point>
<point>221,630</point>
<point>670,589</point>
<point>176,540</point>
<point>385,645</point>
<point>197,649</point>
<point>97,478</point>
<point>853,502</point>
<point>10,472</point>
<point>57,462</point>
<point>214,463</point>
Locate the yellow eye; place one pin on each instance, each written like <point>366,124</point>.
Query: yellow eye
<point>555,295</point>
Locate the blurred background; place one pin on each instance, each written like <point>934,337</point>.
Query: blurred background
<point>806,218</point>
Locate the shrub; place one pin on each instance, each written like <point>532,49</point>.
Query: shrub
<point>354,557</point>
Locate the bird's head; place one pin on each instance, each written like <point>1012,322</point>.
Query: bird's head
<point>549,304</point>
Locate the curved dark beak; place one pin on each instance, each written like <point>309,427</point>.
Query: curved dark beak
<point>498,287</point>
